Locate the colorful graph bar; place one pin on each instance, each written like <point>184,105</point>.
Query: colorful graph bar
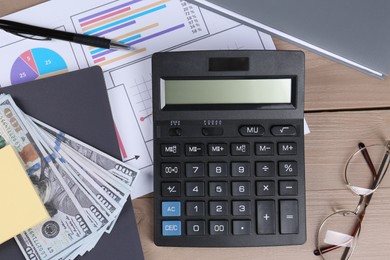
<point>114,22</point>
<point>108,10</point>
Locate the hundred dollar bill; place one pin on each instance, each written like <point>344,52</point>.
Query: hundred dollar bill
<point>94,211</point>
<point>120,169</point>
<point>68,227</point>
<point>110,200</point>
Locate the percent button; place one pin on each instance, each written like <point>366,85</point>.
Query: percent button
<point>288,168</point>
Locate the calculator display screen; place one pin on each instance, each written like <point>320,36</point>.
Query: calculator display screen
<point>226,91</point>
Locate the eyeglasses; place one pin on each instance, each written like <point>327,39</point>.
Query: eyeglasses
<point>338,234</point>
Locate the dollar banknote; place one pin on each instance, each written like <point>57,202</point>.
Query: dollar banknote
<point>68,225</point>
<point>115,166</point>
<point>82,188</point>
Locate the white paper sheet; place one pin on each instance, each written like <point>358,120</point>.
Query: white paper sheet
<point>152,26</point>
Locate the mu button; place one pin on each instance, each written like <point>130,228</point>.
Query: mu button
<point>251,130</point>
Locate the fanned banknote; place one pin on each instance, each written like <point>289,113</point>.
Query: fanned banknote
<point>82,188</point>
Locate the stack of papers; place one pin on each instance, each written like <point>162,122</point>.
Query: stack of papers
<point>82,188</point>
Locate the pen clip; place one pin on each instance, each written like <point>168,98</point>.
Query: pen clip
<point>31,37</point>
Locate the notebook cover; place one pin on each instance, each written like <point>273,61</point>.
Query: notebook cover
<point>77,103</point>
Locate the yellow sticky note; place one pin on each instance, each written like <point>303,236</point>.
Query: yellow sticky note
<point>20,206</point>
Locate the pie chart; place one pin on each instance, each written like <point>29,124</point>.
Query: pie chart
<point>35,64</point>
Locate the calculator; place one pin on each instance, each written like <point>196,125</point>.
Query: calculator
<point>228,148</point>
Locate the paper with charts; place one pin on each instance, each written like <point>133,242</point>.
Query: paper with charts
<point>149,26</point>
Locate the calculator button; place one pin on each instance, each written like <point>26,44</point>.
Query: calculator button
<point>212,131</point>
<point>194,149</point>
<point>288,188</point>
<point>217,149</point>
<point>218,169</point>
<point>170,209</point>
<point>170,189</point>
<point>196,228</point>
<point>218,208</point>
<point>170,170</point>
<point>241,188</point>
<point>171,228</point>
<point>241,208</point>
<point>284,130</point>
<point>195,208</point>
<point>219,227</point>
<point>238,149</point>
<point>287,148</point>
<point>241,227</point>
<point>218,189</point>
<point>264,149</point>
<point>240,169</point>
<point>265,169</point>
<point>265,188</point>
<point>195,169</point>
<point>195,189</point>
<point>168,150</point>
<point>288,168</point>
<point>289,223</point>
<point>266,218</point>
<point>251,130</point>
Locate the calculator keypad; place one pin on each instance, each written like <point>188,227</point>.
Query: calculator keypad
<point>226,189</point>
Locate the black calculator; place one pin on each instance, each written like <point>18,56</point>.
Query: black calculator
<point>229,148</point>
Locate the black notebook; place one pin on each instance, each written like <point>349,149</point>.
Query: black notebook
<point>77,104</point>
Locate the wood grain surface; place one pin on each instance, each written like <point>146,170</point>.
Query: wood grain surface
<point>343,106</point>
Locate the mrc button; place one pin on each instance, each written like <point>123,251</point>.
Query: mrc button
<point>251,130</point>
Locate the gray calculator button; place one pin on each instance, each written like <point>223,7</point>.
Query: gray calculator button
<point>264,149</point>
<point>251,130</point>
<point>266,217</point>
<point>289,223</point>
<point>284,130</point>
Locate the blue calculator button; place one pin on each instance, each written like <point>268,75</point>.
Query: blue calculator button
<point>171,209</point>
<point>171,228</point>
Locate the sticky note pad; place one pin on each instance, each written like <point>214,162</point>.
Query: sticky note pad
<point>20,205</point>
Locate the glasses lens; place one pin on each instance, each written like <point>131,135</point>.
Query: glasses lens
<point>363,167</point>
<point>338,235</point>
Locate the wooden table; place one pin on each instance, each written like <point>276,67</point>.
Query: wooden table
<point>342,107</point>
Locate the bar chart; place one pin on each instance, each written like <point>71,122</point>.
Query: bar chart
<point>143,25</point>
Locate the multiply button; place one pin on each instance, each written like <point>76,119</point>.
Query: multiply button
<point>251,130</point>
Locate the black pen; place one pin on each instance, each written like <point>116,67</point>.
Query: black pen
<point>21,29</point>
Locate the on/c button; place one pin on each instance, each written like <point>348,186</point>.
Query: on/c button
<point>212,131</point>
